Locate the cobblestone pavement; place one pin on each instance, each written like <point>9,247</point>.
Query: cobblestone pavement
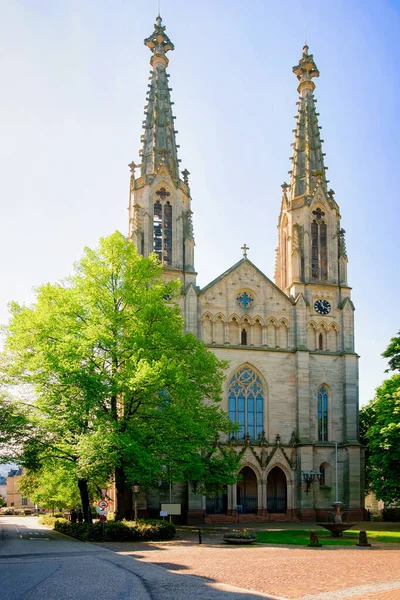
<point>289,572</point>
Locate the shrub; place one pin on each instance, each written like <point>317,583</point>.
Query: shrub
<point>8,510</point>
<point>376,517</point>
<point>27,511</point>
<point>50,520</point>
<point>391,514</point>
<point>117,531</point>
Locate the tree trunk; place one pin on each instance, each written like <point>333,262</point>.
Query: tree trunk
<point>84,492</point>
<point>124,496</point>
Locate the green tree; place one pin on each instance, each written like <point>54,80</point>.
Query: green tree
<point>392,352</point>
<point>380,421</point>
<point>53,486</point>
<point>118,388</point>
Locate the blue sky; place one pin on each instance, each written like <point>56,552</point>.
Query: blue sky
<point>73,83</point>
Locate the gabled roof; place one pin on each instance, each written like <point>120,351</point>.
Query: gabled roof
<point>234,267</point>
<point>14,472</point>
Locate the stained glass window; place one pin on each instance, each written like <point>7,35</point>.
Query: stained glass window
<point>246,403</point>
<point>323,414</point>
<point>245,299</point>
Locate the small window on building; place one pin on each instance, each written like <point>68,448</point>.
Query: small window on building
<point>24,501</point>
<point>323,415</point>
<point>322,475</point>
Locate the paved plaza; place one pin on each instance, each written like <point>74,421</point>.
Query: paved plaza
<point>290,572</point>
<point>37,563</point>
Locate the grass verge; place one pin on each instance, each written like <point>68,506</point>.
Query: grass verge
<point>302,537</point>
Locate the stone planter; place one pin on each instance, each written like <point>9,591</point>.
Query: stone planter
<point>240,541</point>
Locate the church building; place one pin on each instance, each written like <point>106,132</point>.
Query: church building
<point>292,380</point>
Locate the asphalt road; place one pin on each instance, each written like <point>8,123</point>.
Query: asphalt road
<point>39,564</point>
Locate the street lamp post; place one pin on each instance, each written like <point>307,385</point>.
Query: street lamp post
<point>309,477</point>
<point>135,490</point>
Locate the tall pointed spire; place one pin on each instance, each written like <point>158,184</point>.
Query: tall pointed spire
<point>308,159</point>
<point>159,143</point>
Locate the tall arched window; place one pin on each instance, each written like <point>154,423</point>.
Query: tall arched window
<point>246,403</point>
<point>319,248</point>
<point>323,414</point>
<point>162,223</point>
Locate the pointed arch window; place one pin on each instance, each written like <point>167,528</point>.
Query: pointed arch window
<point>319,246</point>
<point>162,224</point>
<point>323,414</point>
<point>246,403</point>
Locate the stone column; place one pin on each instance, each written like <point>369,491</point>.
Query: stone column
<point>264,335</point>
<point>226,333</point>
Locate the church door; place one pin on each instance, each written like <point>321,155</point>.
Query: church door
<point>247,496</point>
<point>276,491</point>
<point>218,504</point>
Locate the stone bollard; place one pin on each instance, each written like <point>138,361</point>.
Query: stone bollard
<point>314,541</point>
<point>200,537</point>
<point>363,540</point>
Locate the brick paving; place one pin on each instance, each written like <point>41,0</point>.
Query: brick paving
<point>291,572</point>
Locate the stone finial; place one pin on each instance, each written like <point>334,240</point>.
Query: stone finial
<point>159,43</point>
<point>342,243</point>
<point>305,71</point>
<point>185,175</point>
<point>132,166</point>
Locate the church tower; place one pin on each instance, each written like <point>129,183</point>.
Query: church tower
<point>160,216</point>
<point>311,243</point>
<point>311,255</point>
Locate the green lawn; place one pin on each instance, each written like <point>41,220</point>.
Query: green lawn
<point>302,537</point>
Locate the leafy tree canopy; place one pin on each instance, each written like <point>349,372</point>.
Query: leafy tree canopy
<point>118,387</point>
<point>392,352</point>
<point>380,424</point>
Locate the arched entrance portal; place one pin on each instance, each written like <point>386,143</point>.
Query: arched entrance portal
<point>276,491</point>
<point>247,491</point>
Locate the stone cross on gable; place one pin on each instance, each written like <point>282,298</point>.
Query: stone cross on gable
<point>245,248</point>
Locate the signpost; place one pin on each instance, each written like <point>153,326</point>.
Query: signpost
<point>102,504</point>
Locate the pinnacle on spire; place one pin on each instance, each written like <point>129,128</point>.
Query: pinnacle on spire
<point>159,142</point>
<point>159,43</point>
<point>305,71</point>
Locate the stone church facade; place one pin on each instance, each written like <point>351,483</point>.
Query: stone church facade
<point>292,381</point>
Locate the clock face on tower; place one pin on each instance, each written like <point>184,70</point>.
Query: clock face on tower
<point>322,307</point>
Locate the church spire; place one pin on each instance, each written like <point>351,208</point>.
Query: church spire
<point>308,168</point>
<point>159,143</point>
